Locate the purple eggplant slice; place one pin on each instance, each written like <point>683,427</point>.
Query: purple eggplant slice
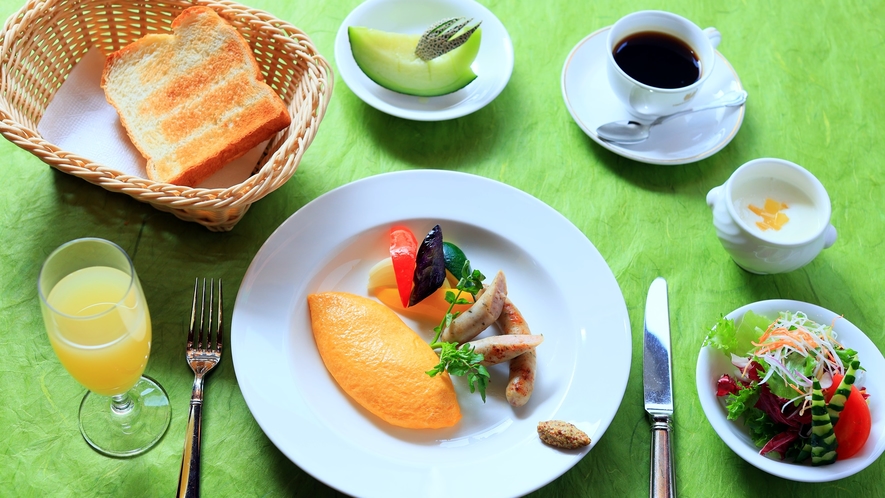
<point>430,267</point>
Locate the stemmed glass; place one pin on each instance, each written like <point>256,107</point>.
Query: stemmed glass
<point>98,323</point>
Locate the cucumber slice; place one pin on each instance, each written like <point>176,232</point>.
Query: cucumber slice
<point>837,402</point>
<point>823,440</point>
<point>389,59</point>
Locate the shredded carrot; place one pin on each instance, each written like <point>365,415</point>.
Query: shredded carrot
<point>767,333</point>
<point>832,326</point>
<point>791,334</point>
<point>746,369</point>
<point>768,347</point>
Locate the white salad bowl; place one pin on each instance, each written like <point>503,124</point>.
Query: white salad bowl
<point>712,364</point>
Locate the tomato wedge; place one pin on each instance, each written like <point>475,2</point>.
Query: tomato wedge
<point>853,427</point>
<point>403,252</point>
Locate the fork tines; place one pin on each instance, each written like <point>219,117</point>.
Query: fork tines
<point>206,322</point>
<point>440,38</point>
<point>448,27</point>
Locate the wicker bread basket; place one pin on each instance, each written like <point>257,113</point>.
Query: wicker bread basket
<point>40,44</point>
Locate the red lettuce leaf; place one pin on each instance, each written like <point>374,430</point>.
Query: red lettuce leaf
<point>774,407</point>
<point>780,443</point>
<point>726,385</point>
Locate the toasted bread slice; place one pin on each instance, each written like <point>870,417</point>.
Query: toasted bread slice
<point>193,100</point>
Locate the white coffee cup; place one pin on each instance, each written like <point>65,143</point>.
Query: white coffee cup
<point>644,100</point>
<point>751,241</point>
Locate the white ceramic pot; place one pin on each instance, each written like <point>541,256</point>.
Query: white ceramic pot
<point>768,250</point>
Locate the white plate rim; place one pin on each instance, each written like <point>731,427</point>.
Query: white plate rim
<point>251,359</point>
<point>735,437</point>
<point>496,44</point>
<point>632,154</point>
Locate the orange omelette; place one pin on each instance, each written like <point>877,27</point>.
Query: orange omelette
<point>380,362</point>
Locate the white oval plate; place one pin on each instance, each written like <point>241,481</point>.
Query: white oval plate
<point>493,65</point>
<point>686,139</point>
<point>712,364</point>
<point>560,282</point>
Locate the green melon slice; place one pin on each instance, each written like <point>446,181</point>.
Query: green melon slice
<point>389,59</point>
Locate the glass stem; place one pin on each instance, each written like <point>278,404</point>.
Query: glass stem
<point>121,403</point>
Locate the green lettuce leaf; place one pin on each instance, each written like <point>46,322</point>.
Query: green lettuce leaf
<point>722,336</point>
<point>738,404</point>
<point>731,338</point>
<point>762,427</point>
<point>750,327</point>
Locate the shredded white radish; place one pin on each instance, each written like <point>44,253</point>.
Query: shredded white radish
<point>792,335</point>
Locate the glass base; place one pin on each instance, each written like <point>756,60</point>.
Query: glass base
<point>126,425</point>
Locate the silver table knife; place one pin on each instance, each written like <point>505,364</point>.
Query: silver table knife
<point>657,381</point>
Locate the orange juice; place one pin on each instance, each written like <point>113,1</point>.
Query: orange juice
<point>102,331</point>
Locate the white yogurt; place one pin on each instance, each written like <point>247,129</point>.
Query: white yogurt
<point>805,218</point>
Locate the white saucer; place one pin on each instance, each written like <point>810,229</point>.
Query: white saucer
<point>493,65</point>
<point>682,140</point>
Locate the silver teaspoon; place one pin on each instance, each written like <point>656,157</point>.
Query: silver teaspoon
<point>634,132</point>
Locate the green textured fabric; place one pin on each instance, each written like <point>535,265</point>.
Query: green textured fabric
<point>814,71</point>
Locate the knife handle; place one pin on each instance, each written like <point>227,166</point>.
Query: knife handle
<point>662,477</point>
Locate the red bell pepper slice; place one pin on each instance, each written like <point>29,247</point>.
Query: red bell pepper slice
<point>403,252</point>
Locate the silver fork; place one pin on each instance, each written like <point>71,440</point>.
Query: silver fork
<point>202,361</point>
<point>440,38</point>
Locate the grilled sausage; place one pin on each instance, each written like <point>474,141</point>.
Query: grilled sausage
<point>500,348</point>
<point>481,315</point>
<point>522,368</point>
<point>522,379</point>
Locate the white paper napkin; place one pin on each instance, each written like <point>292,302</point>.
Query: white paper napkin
<point>80,120</point>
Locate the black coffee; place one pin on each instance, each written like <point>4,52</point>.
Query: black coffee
<point>658,59</point>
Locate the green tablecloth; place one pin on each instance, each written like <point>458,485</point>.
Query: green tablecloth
<point>814,72</point>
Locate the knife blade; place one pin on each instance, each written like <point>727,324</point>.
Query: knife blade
<point>657,366</point>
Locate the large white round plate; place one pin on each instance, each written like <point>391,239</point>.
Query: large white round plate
<point>682,140</point>
<point>712,364</point>
<point>555,276</point>
<point>493,65</point>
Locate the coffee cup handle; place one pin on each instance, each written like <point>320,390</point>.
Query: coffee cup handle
<point>714,36</point>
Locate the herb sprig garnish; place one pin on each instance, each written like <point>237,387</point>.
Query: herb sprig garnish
<point>461,361</point>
